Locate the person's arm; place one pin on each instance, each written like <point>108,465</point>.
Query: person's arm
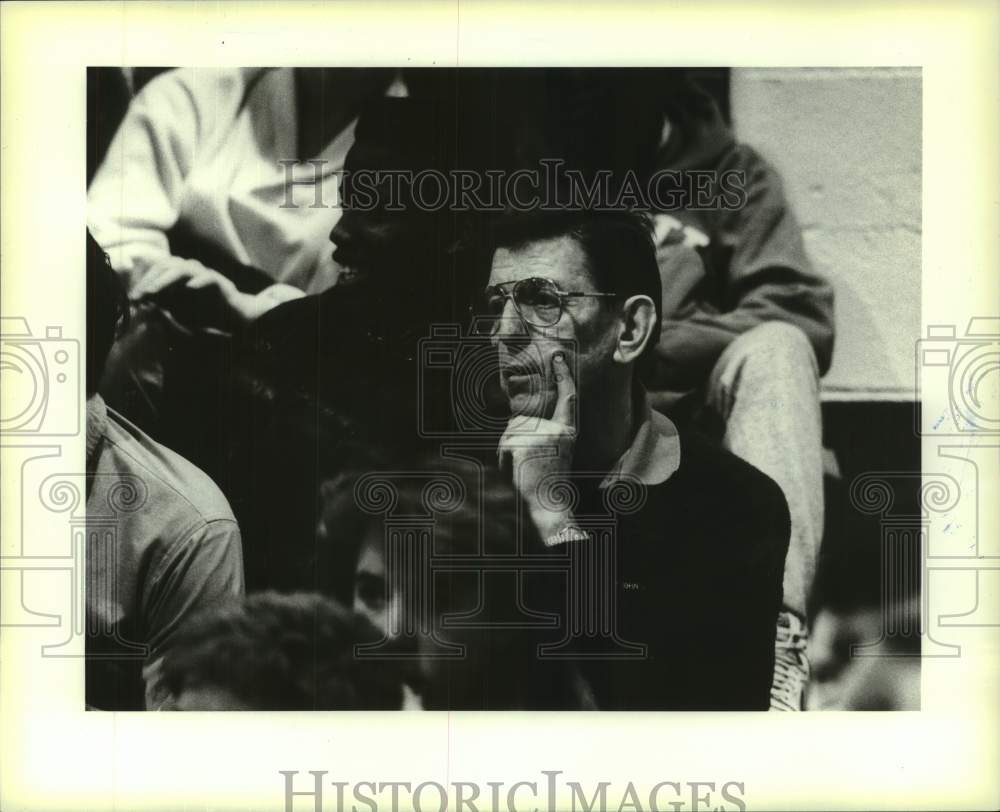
<point>203,569</point>
<point>135,196</point>
<point>758,272</point>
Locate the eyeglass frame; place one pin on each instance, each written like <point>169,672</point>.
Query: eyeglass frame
<point>563,295</point>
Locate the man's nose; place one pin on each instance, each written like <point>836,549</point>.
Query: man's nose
<point>340,236</point>
<point>511,329</point>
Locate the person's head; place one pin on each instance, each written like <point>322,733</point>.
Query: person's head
<point>474,517</point>
<point>107,311</point>
<point>541,264</point>
<point>382,232</point>
<point>278,652</point>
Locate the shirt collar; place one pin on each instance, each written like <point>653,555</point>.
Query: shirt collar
<point>655,452</point>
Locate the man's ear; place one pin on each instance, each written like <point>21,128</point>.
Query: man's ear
<point>637,326</point>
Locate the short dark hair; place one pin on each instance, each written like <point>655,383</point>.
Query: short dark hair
<point>283,652</point>
<point>107,311</point>
<point>618,245</point>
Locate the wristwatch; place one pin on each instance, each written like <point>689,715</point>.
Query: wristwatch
<point>568,533</point>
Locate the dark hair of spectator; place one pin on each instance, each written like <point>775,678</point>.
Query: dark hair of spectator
<point>283,652</point>
<point>107,311</point>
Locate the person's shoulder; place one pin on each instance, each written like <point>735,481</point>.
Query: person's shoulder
<point>308,321</point>
<point>732,511</point>
<point>203,85</point>
<point>703,458</point>
<point>762,180</point>
<point>734,484</point>
<point>173,485</point>
<point>285,318</point>
<point>202,96</point>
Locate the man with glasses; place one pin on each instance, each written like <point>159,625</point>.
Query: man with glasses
<point>573,308</point>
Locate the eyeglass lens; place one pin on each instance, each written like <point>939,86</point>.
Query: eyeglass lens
<point>537,301</point>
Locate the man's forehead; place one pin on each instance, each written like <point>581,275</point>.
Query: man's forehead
<point>557,258</point>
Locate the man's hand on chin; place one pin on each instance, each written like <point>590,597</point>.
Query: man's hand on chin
<point>537,452</point>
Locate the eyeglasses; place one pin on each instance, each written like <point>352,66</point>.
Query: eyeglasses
<point>538,302</point>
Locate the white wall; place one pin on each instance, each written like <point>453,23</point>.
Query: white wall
<point>847,142</point>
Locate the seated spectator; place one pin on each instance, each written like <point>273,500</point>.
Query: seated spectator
<point>207,204</point>
<point>407,277</point>
<point>438,594</point>
<point>209,151</point>
<point>573,309</point>
<point>274,652</point>
<point>339,367</point>
<point>403,279</point>
<point>162,541</point>
<point>747,323</point>
<point>747,333</point>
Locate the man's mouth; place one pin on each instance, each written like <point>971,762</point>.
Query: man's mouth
<point>520,371</point>
<point>517,379</point>
<point>348,261</point>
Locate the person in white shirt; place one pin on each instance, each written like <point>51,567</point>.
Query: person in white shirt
<point>215,202</point>
<point>246,160</point>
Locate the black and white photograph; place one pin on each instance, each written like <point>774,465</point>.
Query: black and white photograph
<point>473,385</point>
<point>498,389</point>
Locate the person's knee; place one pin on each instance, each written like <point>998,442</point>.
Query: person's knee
<point>769,356</point>
<point>774,345</point>
<point>778,339</point>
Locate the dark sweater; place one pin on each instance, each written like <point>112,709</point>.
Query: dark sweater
<point>699,583</point>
